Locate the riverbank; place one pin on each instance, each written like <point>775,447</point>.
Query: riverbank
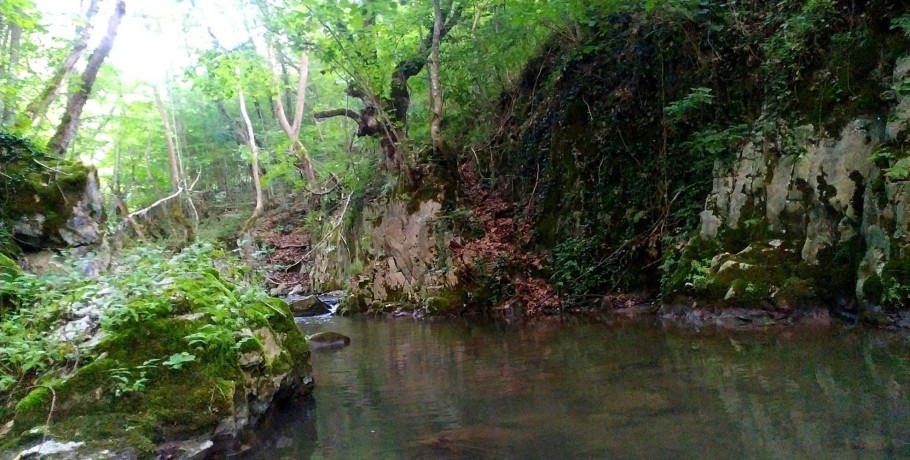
<point>158,354</point>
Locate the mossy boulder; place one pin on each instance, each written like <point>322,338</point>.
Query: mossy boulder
<point>50,202</point>
<point>196,361</point>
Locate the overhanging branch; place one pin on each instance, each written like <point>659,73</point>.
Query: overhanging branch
<point>337,113</point>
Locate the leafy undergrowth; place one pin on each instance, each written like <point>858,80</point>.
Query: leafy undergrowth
<point>508,274</point>
<point>166,362</point>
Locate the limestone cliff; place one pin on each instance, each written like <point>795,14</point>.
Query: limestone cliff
<point>394,254</point>
<point>825,226</point>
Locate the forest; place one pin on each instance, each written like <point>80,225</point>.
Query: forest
<point>209,208</point>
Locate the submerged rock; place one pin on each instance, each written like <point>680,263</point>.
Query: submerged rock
<point>328,340</point>
<point>310,305</point>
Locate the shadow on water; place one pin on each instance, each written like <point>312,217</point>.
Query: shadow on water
<point>283,429</point>
<point>409,389</point>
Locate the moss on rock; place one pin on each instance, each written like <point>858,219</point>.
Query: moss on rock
<point>50,201</point>
<point>175,365</point>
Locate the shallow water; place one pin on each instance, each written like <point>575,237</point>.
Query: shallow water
<point>409,389</point>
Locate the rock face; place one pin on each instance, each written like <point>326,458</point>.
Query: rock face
<point>396,252</point>
<point>55,202</point>
<point>800,218</point>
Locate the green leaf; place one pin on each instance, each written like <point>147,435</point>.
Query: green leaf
<point>177,360</point>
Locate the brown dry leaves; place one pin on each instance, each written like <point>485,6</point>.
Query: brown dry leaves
<point>504,240</point>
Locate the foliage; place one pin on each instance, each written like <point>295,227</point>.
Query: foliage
<point>696,100</point>
<point>893,162</point>
<point>574,272</point>
<point>699,276</point>
<point>145,285</point>
<point>711,144</point>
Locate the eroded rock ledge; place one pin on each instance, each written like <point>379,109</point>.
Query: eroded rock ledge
<point>829,226</point>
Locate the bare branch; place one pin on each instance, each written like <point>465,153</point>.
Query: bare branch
<point>337,113</point>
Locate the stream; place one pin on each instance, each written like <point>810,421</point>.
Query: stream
<point>578,389</point>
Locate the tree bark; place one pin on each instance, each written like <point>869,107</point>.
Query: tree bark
<point>69,125</point>
<point>37,108</point>
<point>387,120</point>
<point>15,37</point>
<point>171,147</point>
<point>116,184</point>
<point>292,130</point>
<point>435,89</point>
<point>251,143</point>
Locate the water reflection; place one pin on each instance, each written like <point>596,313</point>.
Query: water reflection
<point>406,389</point>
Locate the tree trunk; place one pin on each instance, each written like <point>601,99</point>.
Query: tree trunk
<point>69,125</point>
<point>251,143</point>
<point>116,185</point>
<point>293,130</point>
<point>171,147</point>
<point>435,89</point>
<point>387,120</point>
<point>37,108</point>
<point>288,97</point>
<point>15,37</point>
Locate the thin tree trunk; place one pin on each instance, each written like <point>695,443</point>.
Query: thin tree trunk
<point>171,148</point>
<point>116,185</point>
<point>37,108</point>
<point>292,130</point>
<point>288,101</point>
<point>435,89</point>
<point>70,122</point>
<point>251,143</point>
<point>148,166</point>
<point>15,37</point>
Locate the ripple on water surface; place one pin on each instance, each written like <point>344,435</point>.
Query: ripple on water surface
<point>409,389</point>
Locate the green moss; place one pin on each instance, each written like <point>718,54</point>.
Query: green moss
<point>36,400</point>
<point>202,291</point>
<point>35,183</point>
<point>756,274</point>
<point>749,293</point>
<point>130,396</point>
<point>448,301</point>
<point>794,292</point>
<point>114,432</point>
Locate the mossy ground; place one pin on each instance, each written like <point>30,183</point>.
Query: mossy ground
<point>136,392</point>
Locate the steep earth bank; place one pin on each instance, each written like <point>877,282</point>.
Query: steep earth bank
<point>722,157</point>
